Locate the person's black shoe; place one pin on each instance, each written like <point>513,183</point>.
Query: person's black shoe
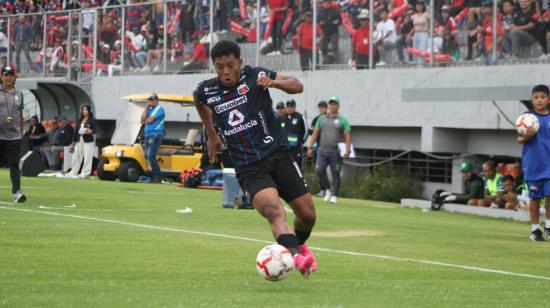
<point>536,236</point>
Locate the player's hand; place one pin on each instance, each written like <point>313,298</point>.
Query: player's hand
<point>346,154</point>
<point>213,146</point>
<point>309,153</point>
<point>510,197</point>
<point>530,132</point>
<point>264,82</point>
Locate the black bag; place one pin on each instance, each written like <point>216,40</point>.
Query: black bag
<point>437,200</point>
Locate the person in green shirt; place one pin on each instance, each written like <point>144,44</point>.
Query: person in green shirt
<point>473,187</point>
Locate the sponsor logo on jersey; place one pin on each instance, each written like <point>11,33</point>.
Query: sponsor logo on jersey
<point>231,104</point>
<point>213,99</point>
<point>294,121</point>
<point>268,139</point>
<point>235,118</point>
<point>240,127</point>
<point>242,89</point>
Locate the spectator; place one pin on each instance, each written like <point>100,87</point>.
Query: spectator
<point>386,44</point>
<point>473,187</point>
<point>4,43</point>
<point>278,10</point>
<point>447,22</point>
<point>61,137</point>
<point>360,43</point>
<point>108,30</point>
<point>153,119</point>
<point>21,7</point>
<point>485,34</point>
<point>281,112</point>
<point>103,58</point>
<point>322,108</point>
<point>450,46</point>
<point>333,127</point>
<point>419,32</point>
<point>88,18</point>
<point>494,187</point>
<point>116,59</point>
<point>205,40</point>
<point>522,29</point>
<point>176,47</point>
<point>23,36</point>
<point>296,131</point>
<point>353,10</point>
<point>305,41</point>
<point>83,144</point>
<point>515,198</point>
<point>154,49</point>
<point>329,19</point>
<point>543,26</point>
<point>187,26</point>
<point>198,58</point>
<point>36,134</point>
<point>507,14</point>
<point>36,26</point>
<point>404,27</point>
<point>137,38</point>
<point>202,13</point>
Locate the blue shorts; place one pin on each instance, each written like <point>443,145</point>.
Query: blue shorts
<point>538,189</point>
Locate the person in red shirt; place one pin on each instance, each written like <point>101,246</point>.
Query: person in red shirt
<point>360,42</point>
<point>198,58</point>
<point>305,40</point>
<point>278,10</point>
<point>485,37</point>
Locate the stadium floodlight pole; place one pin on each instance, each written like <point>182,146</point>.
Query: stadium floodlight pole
<point>432,16</point>
<point>69,45</point>
<point>122,39</point>
<point>371,25</point>
<point>258,6</point>
<point>211,34</point>
<point>165,34</point>
<point>44,38</point>
<point>9,38</point>
<point>314,44</point>
<point>94,64</point>
<point>495,32</point>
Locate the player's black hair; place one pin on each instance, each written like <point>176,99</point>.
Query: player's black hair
<point>509,178</point>
<point>225,48</point>
<point>541,88</point>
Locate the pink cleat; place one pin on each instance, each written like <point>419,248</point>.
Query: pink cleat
<point>305,251</point>
<point>303,264</point>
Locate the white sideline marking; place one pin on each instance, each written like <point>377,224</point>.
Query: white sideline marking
<point>186,210</point>
<point>472,268</point>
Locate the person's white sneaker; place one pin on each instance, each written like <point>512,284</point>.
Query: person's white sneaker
<point>145,68</point>
<point>156,69</point>
<point>333,199</point>
<point>18,197</point>
<point>328,194</point>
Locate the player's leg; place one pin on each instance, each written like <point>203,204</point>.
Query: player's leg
<point>267,203</point>
<point>321,170</point>
<point>12,155</point>
<point>535,194</point>
<point>546,194</point>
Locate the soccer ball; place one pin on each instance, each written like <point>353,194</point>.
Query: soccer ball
<point>274,262</point>
<point>526,121</point>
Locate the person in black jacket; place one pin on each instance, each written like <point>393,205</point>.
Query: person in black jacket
<point>62,138</point>
<point>296,131</point>
<point>36,134</point>
<point>22,35</point>
<point>83,143</point>
<point>329,19</point>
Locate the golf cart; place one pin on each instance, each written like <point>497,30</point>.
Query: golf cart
<point>125,158</point>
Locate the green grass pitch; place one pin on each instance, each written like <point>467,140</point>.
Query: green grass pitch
<point>124,245</point>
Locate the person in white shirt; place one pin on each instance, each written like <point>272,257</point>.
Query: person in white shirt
<point>3,42</point>
<point>386,43</point>
<point>140,43</point>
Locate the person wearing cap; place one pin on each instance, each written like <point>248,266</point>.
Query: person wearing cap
<point>354,9</point>
<point>153,119</point>
<point>473,187</point>
<point>11,129</point>
<point>360,42</point>
<point>448,22</point>
<point>305,41</point>
<point>334,128</point>
<point>198,58</point>
<point>116,59</point>
<point>296,131</point>
<point>103,59</point>
<point>61,137</point>
<point>281,112</point>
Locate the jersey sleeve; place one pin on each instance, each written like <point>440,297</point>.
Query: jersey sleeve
<point>319,119</point>
<point>198,94</point>
<point>21,101</point>
<point>345,125</point>
<point>262,71</point>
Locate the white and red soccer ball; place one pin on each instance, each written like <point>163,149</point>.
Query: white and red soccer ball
<point>274,262</point>
<point>525,121</point>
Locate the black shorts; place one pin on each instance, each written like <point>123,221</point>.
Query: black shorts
<point>277,170</point>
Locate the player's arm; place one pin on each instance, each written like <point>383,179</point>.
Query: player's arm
<point>288,84</point>
<point>347,141</point>
<point>145,119</point>
<point>214,144</point>
<point>312,141</point>
<point>528,135</point>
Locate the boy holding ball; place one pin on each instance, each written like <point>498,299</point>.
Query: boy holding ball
<point>535,162</point>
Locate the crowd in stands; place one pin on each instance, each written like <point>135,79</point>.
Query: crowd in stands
<point>463,30</point>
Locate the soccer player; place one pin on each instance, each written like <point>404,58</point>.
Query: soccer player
<point>239,103</point>
<point>535,163</point>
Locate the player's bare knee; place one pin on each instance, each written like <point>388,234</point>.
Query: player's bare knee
<point>273,212</point>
